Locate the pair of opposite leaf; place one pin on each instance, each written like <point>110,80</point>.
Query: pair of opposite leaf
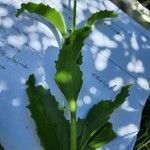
<point>53,129</point>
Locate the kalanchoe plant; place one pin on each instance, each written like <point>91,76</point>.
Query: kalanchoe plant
<point>54,131</point>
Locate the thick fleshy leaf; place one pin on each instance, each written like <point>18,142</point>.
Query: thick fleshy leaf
<point>46,12</point>
<point>51,125</point>
<point>99,16</point>
<point>99,115</point>
<point>68,76</point>
<point>1,148</point>
<point>102,137</point>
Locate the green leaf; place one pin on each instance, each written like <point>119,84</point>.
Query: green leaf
<point>68,76</point>
<point>46,12</point>
<point>79,60</point>
<point>99,16</point>
<point>80,128</point>
<point>102,137</point>
<point>51,125</point>
<point>99,115</point>
<point>1,148</point>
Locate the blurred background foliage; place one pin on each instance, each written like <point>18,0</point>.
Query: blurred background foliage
<point>143,138</point>
<point>145,3</point>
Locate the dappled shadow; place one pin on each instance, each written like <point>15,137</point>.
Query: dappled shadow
<point>117,52</point>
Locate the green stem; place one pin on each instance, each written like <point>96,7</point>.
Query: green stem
<point>73,125</point>
<point>74,15</point>
<point>73,132</point>
<point>72,105</point>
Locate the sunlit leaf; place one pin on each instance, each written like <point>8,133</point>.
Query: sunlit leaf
<point>47,12</point>
<point>99,16</point>
<point>102,137</point>
<point>51,125</point>
<point>69,76</point>
<point>99,115</point>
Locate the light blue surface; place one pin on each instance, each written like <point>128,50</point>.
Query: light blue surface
<point>116,53</point>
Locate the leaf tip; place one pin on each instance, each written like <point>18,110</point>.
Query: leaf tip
<point>31,80</point>
<point>20,10</point>
<point>129,86</point>
<point>114,14</point>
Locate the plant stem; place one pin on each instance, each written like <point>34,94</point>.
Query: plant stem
<point>72,105</point>
<point>73,132</point>
<point>73,125</point>
<point>74,15</point>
